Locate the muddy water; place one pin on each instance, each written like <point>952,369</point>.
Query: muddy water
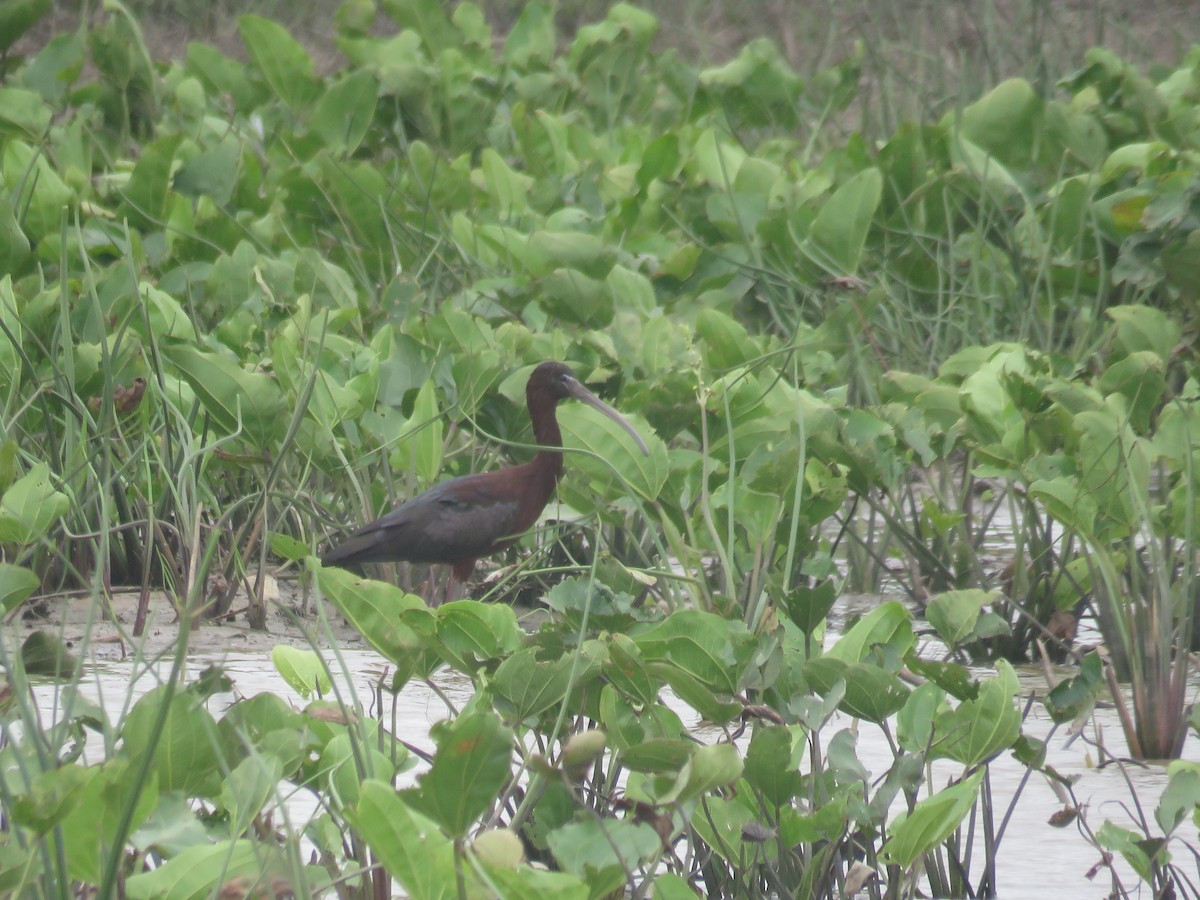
<point>1033,855</point>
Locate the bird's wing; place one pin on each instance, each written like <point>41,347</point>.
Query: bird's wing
<point>455,521</point>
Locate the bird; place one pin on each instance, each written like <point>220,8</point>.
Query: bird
<point>459,521</point>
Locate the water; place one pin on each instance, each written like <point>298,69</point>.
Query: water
<point>1033,855</point>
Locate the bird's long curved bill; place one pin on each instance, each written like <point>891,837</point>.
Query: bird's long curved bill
<point>579,392</point>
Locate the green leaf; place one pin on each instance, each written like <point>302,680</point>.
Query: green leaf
<point>185,756</point>
<point>531,687</point>
<point>54,793</point>
<point>657,755</point>
<point>807,607</point>
<point>955,613</point>
<point>871,693</point>
<point>839,232</point>
<point>769,766</point>
<point>231,394</point>
<point>198,872</point>
<point>471,632</point>
<point>531,40</point>
<point>248,788</point>
<point>24,110</point>
<point>600,851</point>
<point>17,17</point>
<point>472,764</point>
<point>426,439</point>
<point>87,828</point>
<point>30,507</point>
<point>1076,696</point>
<point>375,609</point>
<point>303,670</point>
<point>708,647</point>
<point>14,251</point>
<point>1005,122</point>
<point>148,192</point>
<point>1139,379</point>
<point>585,428</point>
<point>978,729</point>
<point>17,583</point>
<point>1144,328</point>
<point>212,173</point>
<point>284,63</point>
<point>578,250</point>
<point>346,110</point>
<point>711,767</point>
<point>932,821</point>
<point>889,623</point>
<point>408,844</point>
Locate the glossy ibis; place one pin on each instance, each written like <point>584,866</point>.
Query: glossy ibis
<point>460,520</point>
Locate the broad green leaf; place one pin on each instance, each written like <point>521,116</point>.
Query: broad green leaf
<point>212,173</point>
<point>426,440</point>
<point>165,315</point>
<point>24,110</point>
<point>199,872</point>
<point>471,632</point>
<point>285,65</point>
<point>769,766</point>
<point>839,232</point>
<point>303,670</point>
<point>17,17</point>
<point>870,694</point>
<point>585,428</point>
<point>531,41</point>
<point>708,647</point>
<point>1145,328</point>
<point>408,844</point>
<point>1075,697</point>
<point>43,194</point>
<point>530,687</point>
<point>726,342</point>
<point>17,583</point>
<point>375,608</point>
<point>1139,379</point>
<point>698,694</point>
<point>1180,800</point>
<point>807,607</point>
<point>87,829</point>
<point>148,192</point>
<point>978,729</point>
<point>472,764</point>
<point>578,250</point>
<point>185,756</point>
<point>889,623</point>
<point>54,793</point>
<point>1064,501</point>
<point>30,507</point>
<point>230,393</point>
<point>1005,122</point>
<point>934,819</point>
<point>248,788</point>
<point>665,755</point>
<point>592,850</point>
<point>14,252</point>
<point>711,767</point>
<point>346,110</point>
<point>955,613</point>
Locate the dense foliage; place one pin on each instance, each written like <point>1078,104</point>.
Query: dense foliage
<point>245,305</point>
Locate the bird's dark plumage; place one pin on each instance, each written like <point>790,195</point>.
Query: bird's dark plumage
<point>460,520</point>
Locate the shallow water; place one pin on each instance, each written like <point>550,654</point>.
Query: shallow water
<point>1033,855</point>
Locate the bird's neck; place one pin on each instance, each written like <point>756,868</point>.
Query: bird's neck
<point>547,435</point>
